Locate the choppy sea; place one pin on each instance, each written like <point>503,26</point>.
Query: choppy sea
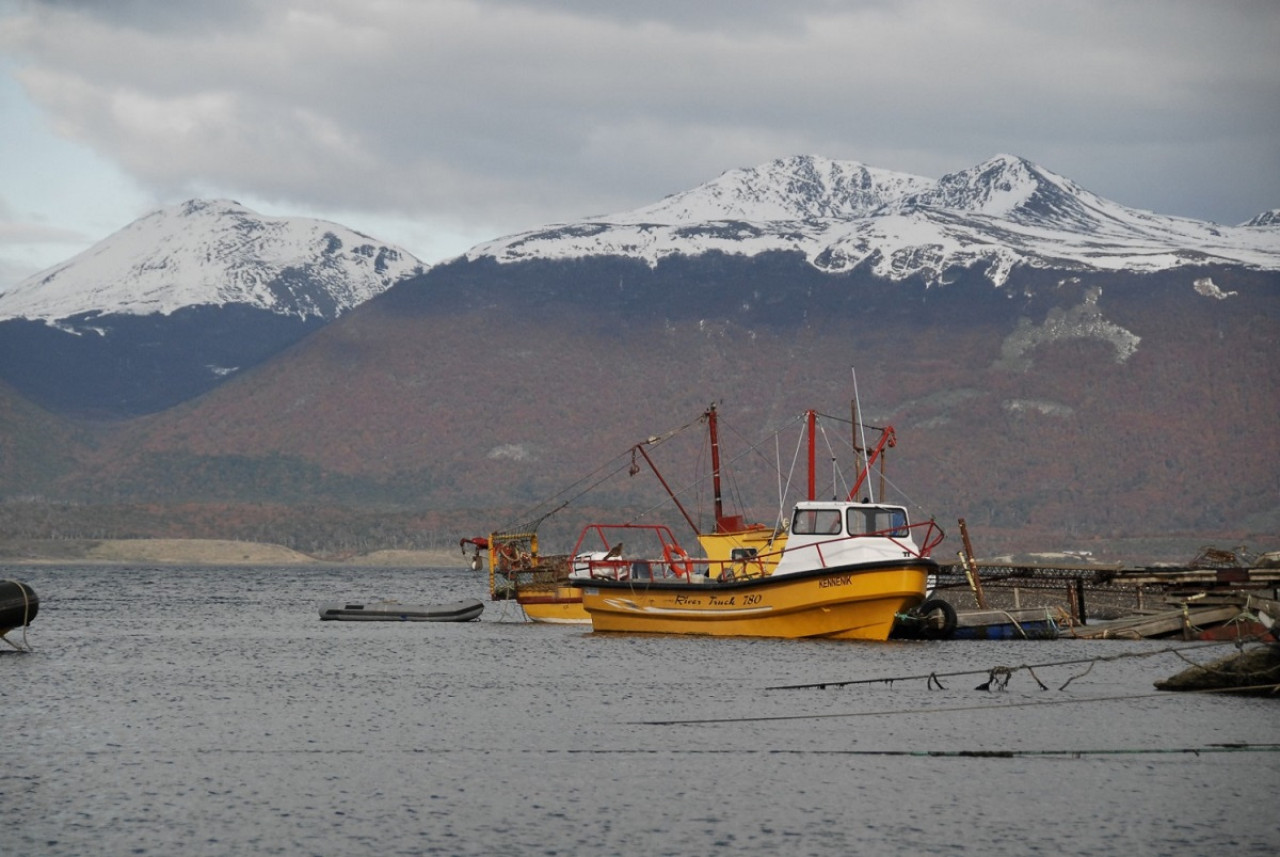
<point>185,711</point>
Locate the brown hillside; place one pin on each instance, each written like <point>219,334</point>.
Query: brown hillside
<point>451,419</point>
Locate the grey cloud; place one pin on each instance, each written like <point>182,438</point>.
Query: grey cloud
<point>520,112</point>
<point>159,16</point>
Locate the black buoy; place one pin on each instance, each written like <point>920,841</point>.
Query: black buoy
<point>18,605</point>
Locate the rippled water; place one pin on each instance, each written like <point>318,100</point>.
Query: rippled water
<point>211,712</point>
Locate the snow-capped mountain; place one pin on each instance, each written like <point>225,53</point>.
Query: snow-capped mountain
<point>181,300</point>
<point>1001,214</point>
<point>788,189</point>
<point>215,253</point>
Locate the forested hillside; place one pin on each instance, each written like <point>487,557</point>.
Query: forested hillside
<point>1056,413</point>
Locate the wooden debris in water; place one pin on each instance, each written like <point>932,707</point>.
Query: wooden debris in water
<point>1256,669</point>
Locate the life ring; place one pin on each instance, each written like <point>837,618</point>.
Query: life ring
<point>677,560</point>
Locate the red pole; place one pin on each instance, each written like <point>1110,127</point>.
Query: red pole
<point>670,493</point>
<point>813,444</point>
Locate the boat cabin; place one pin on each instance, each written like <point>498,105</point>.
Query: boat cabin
<point>832,533</point>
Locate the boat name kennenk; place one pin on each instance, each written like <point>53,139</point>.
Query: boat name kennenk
<point>835,581</point>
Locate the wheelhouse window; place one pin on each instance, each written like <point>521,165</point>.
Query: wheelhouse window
<point>882,521</point>
<point>809,522</point>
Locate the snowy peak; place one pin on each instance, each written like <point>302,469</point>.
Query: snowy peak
<point>214,253</point>
<point>799,188</point>
<point>999,186</point>
<point>1000,216</point>
<point>1014,189</point>
<point>1266,218</point>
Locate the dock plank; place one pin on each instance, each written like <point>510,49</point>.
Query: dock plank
<point>1162,624</point>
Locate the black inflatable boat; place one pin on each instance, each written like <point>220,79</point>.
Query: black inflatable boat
<point>394,611</point>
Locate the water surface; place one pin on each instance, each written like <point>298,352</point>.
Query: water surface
<point>208,711</point>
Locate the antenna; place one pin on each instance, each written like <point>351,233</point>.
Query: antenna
<point>866,461</point>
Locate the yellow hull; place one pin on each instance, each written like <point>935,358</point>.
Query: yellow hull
<point>850,603</point>
<point>561,607</point>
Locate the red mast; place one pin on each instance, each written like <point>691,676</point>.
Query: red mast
<point>813,443</point>
<point>888,438</point>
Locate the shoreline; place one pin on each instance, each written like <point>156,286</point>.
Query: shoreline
<point>205,552</point>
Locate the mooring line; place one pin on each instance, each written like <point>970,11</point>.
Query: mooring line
<point>1234,747</point>
<point>721,721</point>
<point>1010,754</point>
<point>934,676</point>
<point>954,754</point>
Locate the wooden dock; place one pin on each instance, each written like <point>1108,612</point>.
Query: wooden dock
<point>1117,602</point>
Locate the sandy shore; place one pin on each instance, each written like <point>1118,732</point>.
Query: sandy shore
<point>205,552</point>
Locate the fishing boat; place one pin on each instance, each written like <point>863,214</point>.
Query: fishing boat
<point>847,579</point>
<point>541,585</point>
<point>18,605</point>
<point>394,611</point>
<point>847,571</point>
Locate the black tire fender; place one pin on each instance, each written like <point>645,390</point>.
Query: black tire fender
<point>937,619</point>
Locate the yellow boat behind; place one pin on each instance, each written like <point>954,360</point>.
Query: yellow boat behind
<point>754,549</point>
<point>561,605</point>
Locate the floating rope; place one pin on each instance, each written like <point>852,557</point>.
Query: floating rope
<point>933,677</point>
<point>1275,688</point>
<point>1010,754</point>
<point>1241,747</point>
<point>961,754</point>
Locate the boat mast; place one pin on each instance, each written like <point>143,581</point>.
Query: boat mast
<point>888,438</point>
<point>813,444</point>
<point>715,467</point>
<point>858,427</point>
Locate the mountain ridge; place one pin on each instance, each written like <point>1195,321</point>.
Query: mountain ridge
<point>841,215</point>
<point>214,253</point>
<point>178,301</point>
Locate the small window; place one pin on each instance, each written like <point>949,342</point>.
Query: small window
<point>885,522</point>
<point>810,522</point>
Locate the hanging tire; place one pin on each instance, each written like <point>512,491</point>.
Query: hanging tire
<point>937,619</point>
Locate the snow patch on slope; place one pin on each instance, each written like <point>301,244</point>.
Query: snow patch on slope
<point>1207,287</point>
<point>1080,322</point>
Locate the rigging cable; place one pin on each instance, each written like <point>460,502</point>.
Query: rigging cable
<point>623,457</point>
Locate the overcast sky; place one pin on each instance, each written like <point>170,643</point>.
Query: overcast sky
<point>437,124</point>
